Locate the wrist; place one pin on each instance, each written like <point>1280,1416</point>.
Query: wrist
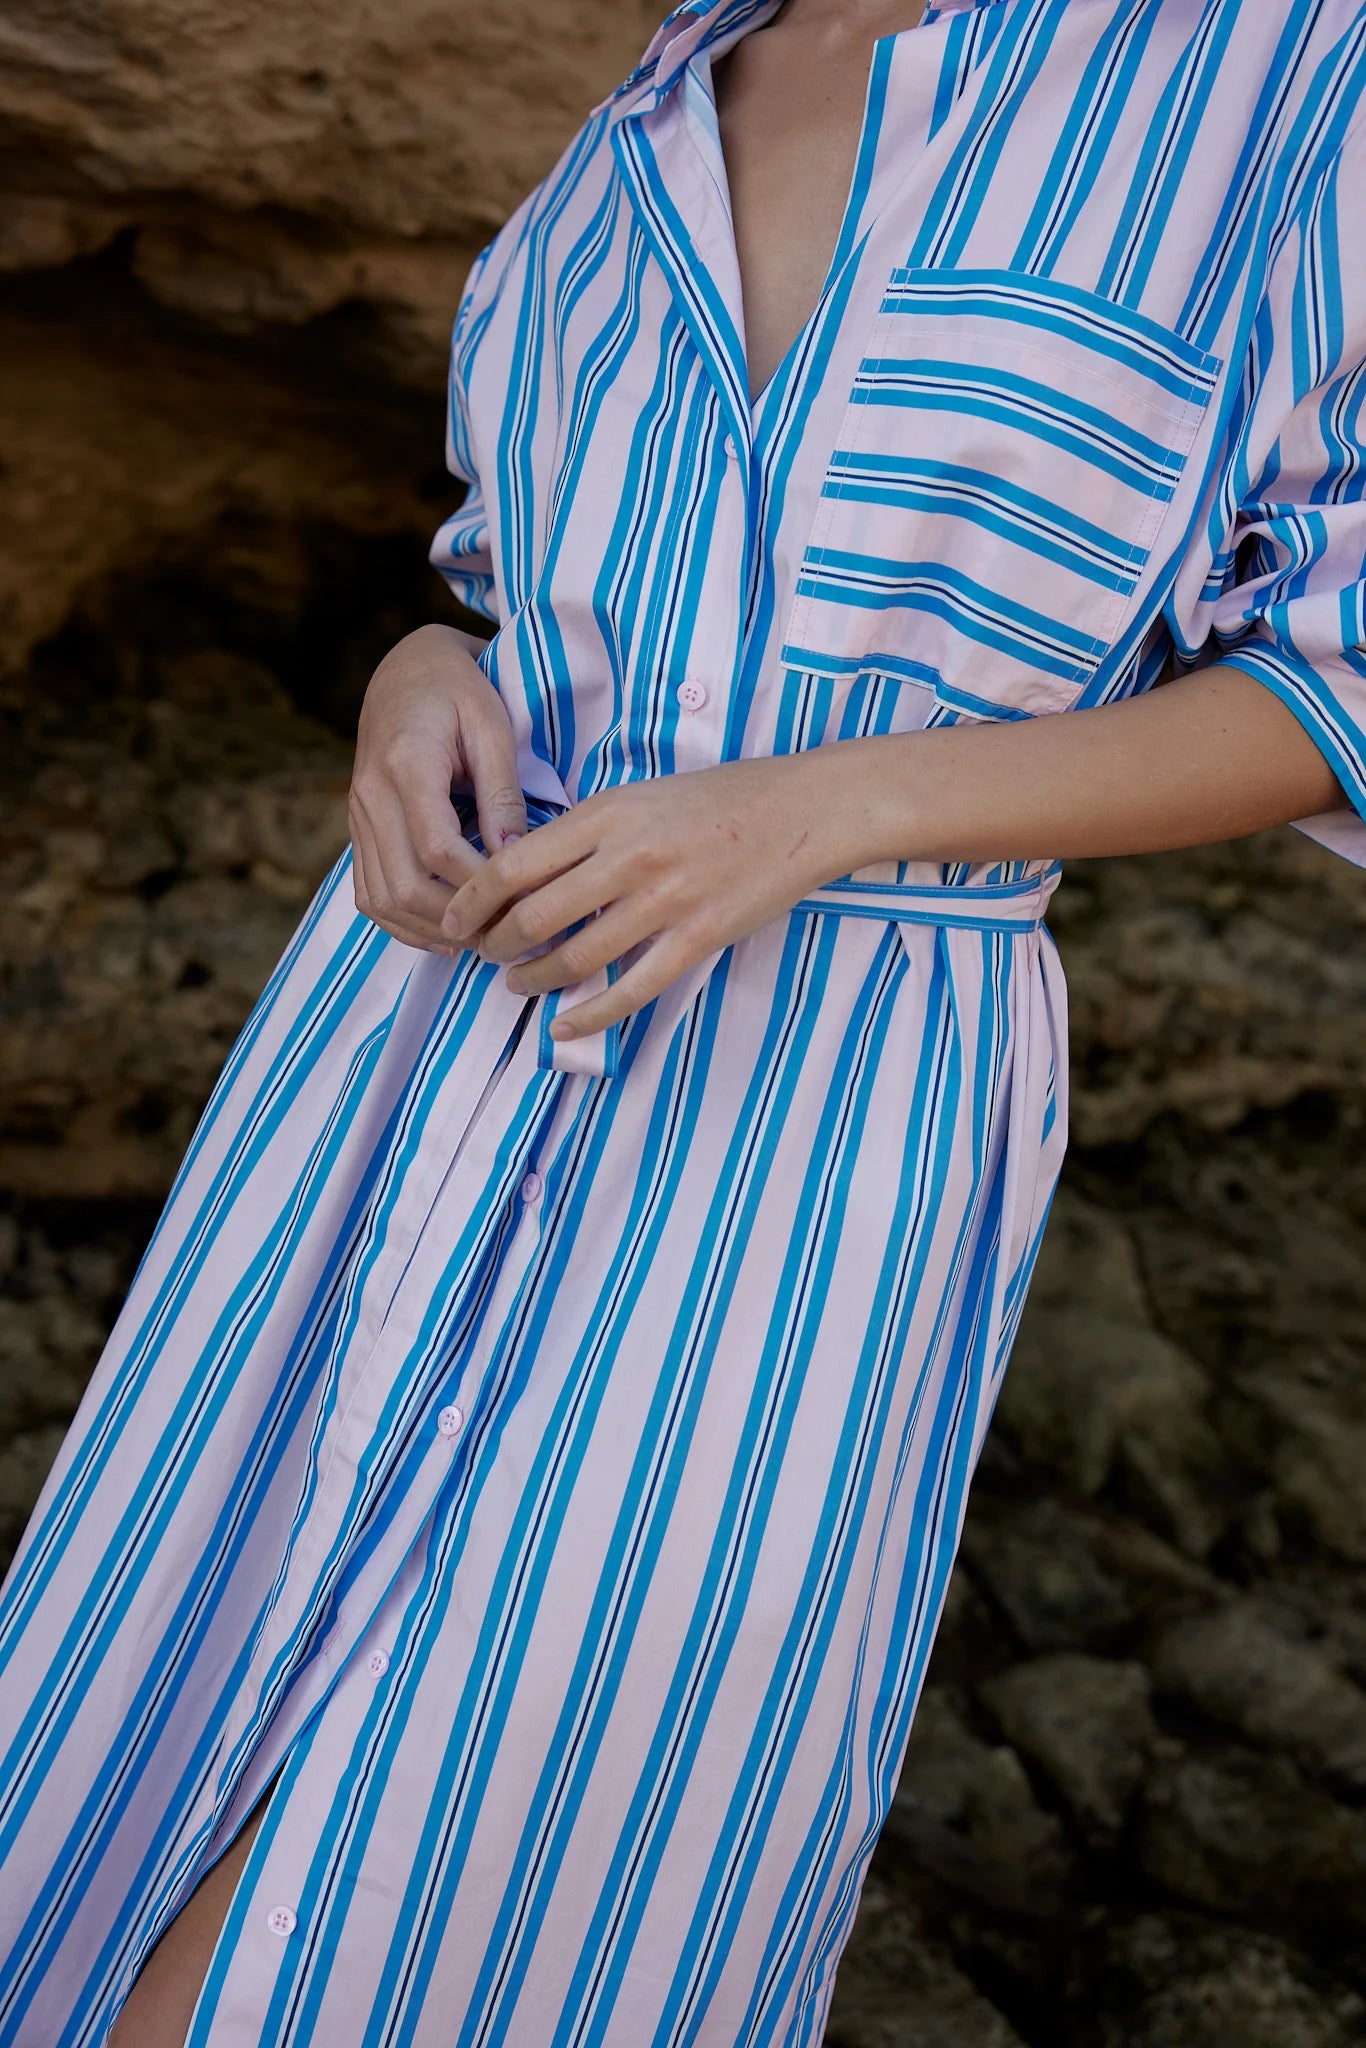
<point>472,644</point>
<point>857,792</point>
<point>433,661</point>
<point>437,642</point>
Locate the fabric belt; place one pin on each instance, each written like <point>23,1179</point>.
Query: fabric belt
<point>1017,906</point>
<point>973,906</point>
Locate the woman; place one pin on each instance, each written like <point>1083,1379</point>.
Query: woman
<point>503,1541</point>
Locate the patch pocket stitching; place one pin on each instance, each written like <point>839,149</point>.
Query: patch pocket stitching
<point>849,435</point>
<point>1141,548</point>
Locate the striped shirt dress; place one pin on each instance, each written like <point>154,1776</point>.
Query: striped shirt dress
<point>549,1458</point>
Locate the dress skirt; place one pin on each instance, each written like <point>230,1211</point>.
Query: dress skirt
<point>554,1476</point>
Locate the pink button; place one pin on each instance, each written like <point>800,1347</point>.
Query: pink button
<point>531,1186</point>
<point>732,452</point>
<point>282,1920</point>
<point>377,1663</point>
<point>450,1420</point>
<point>692,695</point>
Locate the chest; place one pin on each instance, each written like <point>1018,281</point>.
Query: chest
<point>791,105</point>
<point>976,472</point>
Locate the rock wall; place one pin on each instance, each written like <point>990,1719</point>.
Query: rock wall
<point>230,232</point>
<point>1134,1810</point>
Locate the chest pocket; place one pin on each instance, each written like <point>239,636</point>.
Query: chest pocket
<point>1009,452</point>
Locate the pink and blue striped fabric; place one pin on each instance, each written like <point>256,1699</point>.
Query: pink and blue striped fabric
<point>550,1460</point>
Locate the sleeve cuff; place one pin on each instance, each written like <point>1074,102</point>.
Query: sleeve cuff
<point>459,551</point>
<point>1323,699</point>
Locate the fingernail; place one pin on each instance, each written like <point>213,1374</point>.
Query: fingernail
<point>508,837</point>
<point>516,984</point>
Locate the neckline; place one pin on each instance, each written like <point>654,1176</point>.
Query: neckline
<point>879,62</point>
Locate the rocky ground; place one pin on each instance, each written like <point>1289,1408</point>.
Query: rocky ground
<point>1133,1814</point>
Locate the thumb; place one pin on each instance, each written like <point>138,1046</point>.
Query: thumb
<point>491,760</point>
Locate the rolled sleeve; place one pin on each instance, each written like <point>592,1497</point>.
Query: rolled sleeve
<point>1293,614</point>
<point>461,549</point>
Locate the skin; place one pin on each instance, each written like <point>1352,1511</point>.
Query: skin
<point>697,861</point>
<point>156,2012</point>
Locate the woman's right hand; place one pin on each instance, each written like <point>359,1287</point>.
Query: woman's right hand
<point>431,722</point>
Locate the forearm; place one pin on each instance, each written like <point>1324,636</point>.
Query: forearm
<point>1208,756</point>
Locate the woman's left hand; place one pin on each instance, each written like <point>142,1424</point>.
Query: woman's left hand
<point>692,861</point>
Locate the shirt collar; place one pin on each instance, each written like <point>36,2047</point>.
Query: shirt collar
<point>699,23</point>
<point>676,39</point>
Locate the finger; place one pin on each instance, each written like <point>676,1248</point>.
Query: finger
<point>489,746</point>
<point>419,898</point>
<point>542,915</point>
<point>371,898</point>
<point>521,865</point>
<point>640,984</point>
<point>358,872</point>
<point>423,822</point>
<point>380,906</point>
<point>602,939</point>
